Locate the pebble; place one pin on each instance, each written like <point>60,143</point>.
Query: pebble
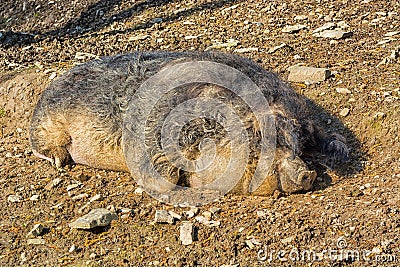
<point>205,221</point>
<point>72,187</point>
<point>14,198</point>
<point>379,115</point>
<point>36,241</point>
<point>333,34</point>
<point>52,75</point>
<point>53,183</point>
<point>309,74</point>
<point>95,218</point>
<point>261,213</point>
<point>300,17</point>
<point>395,53</point>
<point>186,233</point>
<point>215,210</point>
<point>326,26</point>
<point>343,91</point>
<point>293,28</point>
<point>80,196</point>
<point>163,216</point>
<point>344,112</point>
<point>287,240</point>
<point>138,191</point>
<point>231,43</point>
<point>139,37</point>
<point>230,265</point>
<point>34,198</point>
<point>246,50</point>
<point>36,231</point>
<point>175,215</point>
<point>276,48</point>
<point>192,212</point>
<point>72,249</point>
<point>390,34</point>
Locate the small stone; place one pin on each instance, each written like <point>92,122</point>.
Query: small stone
<point>342,24</point>
<point>390,34</point>
<point>186,233</point>
<point>376,250</point>
<point>276,48</point>
<point>229,44</point>
<point>34,198</point>
<point>344,112</point>
<point>287,240</point>
<point>156,20</point>
<point>293,28</point>
<point>261,213</point>
<point>310,74</point>
<point>333,34</point>
<point>379,115</point>
<point>72,249</point>
<point>230,265</point>
<point>23,257</point>
<point>14,198</point>
<point>139,37</point>
<point>93,255</point>
<point>96,197</point>
<point>343,91</point>
<point>53,183</point>
<point>36,231</point>
<point>163,216</point>
<point>138,191</point>
<point>215,210</point>
<point>205,221</point>
<point>395,53</point>
<point>80,196</point>
<point>36,241</point>
<point>300,17</point>
<point>52,75</point>
<point>326,26</point>
<point>192,212</point>
<point>72,187</point>
<point>175,215</point>
<point>246,50</point>
<point>95,218</point>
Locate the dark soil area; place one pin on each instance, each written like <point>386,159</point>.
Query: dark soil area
<point>356,210</point>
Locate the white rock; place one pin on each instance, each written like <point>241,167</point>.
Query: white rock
<point>192,212</point>
<point>72,249</point>
<point>390,34</point>
<point>163,216</point>
<point>80,196</point>
<point>326,26</point>
<point>287,240</point>
<point>36,241</point>
<point>139,37</point>
<point>53,183</point>
<point>343,90</point>
<point>333,34</point>
<point>300,17</point>
<point>34,198</point>
<point>276,48</point>
<point>95,218</point>
<point>310,74</point>
<point>344,112</point>
<point>14,198</point>
<point>52,75</point>
<point>36,231</point>
<point>293,28</point>
<point>186,233</point>
<point>175,215</point>
<point>138,191</point>
<point>72,187</point>
<point>246,50</point>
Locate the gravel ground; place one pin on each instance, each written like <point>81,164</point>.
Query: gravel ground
<point>356,210</point>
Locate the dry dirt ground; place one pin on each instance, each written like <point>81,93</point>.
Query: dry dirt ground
<point>355,211</point>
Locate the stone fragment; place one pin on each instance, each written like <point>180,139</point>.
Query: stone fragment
<point>14,198</point>
<point>343,90</point>
<point>326,26</point>
<point>333,34</point>
<point>310,74</point>
<point>36,231</point>
<point>246,50</point>
<point>293,28</point>
<point>186,233</point>
<point>95,218</point>
<point>344,112</point>
<point>55,182</point>
<point>163,216</point>
<point>36,241</point>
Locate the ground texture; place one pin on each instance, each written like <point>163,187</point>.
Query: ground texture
<point>354,211</point>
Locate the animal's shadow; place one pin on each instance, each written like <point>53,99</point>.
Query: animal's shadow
<point>332,124</point>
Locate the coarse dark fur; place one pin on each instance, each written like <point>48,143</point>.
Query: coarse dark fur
<point>80,116</point>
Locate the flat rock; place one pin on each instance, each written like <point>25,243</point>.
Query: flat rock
<point>14,198</point>
<point>333,34</point>
<point>95,218</point>
<point>326,26</point>
<point>344,112</point>
<point>343,90</point>
<point>309,74</point>
<point>163,216</point>
<point>37,230</point>
<point>36,241</point>
<point>293,28</point>
<point>186,233</point>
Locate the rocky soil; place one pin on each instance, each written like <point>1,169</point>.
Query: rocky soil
<point>356,210</point>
